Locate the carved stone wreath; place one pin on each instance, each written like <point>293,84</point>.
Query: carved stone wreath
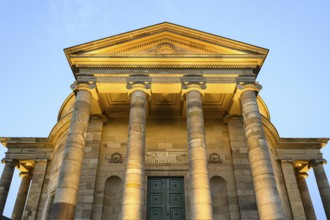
<point>165,48</point>
<point>215,158</point>
<point>116,158</point>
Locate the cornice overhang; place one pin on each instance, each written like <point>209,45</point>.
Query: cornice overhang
<point>27,150</point>
<point>166,45</point>
<point>24,141</point>
<point>298,143</point>
<point>156,65</point>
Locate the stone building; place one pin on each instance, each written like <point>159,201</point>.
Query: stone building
<point>164,122</point>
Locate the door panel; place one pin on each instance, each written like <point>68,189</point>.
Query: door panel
<point>165,198</point>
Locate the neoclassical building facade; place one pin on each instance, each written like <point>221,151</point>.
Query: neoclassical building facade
<point>164,122</point>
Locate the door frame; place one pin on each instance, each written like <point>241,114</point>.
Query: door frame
<point>182,172</point>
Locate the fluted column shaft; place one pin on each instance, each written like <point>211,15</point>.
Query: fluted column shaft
<point>68,183</point>
<point>133,196</point>
<point>268,200</point>
<point>200,194</point>
<point>5,182</point>
<point>21,196</point>
<point>305,197</point>
<point>323,185</point>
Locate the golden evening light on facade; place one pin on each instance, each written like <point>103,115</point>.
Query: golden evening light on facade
<point>164,122</point>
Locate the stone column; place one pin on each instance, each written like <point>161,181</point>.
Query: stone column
<point>322,184</point>
<point>305,196</point>
<point>296,205</point>
<point>268,200</point>
<point>200,193</point>
<point>66,193</point>
<point>5,182</point>
<point>134,187</point>
<point>21,196</point>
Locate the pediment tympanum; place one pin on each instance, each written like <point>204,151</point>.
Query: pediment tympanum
<point>166,45</point>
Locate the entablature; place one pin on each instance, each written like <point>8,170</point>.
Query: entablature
<point>166,85</point>
<point>22,148</point>
<point>27,151</point>
<point>300,151</point>
<point>111,97</point>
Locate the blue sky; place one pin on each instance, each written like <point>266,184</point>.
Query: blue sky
<point>35,75</point>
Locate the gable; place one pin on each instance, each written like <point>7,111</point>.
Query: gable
<point>166,45</point>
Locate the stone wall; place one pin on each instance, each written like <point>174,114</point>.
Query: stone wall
<point>51,178</point>
<point>218,142</point>
<point>113,142</point>
<point>89,169</point>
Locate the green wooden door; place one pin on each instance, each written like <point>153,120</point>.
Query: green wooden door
<point>165,198</point>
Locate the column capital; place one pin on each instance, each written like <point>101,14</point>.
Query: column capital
<point>193,86</point>
<point>314,162</point>
<point>242,87</point>
<point>14,162</point>
<point>76,86</point>
<point>141,86</point>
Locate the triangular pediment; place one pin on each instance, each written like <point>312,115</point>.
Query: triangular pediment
<point>168,43</point>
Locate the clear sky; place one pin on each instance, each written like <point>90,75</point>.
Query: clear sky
<point>35,76</point>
